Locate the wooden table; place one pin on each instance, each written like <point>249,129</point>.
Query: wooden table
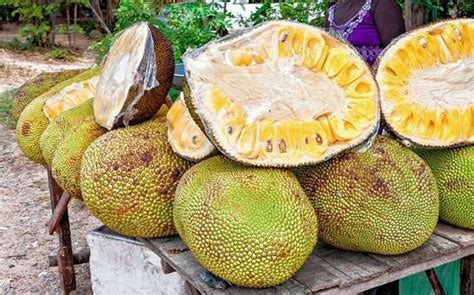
<point>332,271</point>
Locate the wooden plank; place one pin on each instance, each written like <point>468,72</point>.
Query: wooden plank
<point>434,247</point>
<point>460,236</point>
<point>467,275</point>
<point>404,272</point>
<point>356,267</point>
<point>317,274</point>
<point>58,212</point>
<point>178,256</point>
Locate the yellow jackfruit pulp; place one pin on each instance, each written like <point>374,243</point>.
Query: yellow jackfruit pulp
<point>184,135</point>
<point>427,84</point>
<point>35,117</point>
<point>283,94</point>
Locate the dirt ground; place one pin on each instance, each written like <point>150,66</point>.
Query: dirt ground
<point>24,204</point>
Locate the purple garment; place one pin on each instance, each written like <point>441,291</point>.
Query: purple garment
<point>360,31</point>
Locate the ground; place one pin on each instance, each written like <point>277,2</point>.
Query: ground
<point>24,203</point>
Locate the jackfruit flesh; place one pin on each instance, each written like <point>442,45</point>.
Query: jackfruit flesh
<point>37,86</point>
<point>454,172</point>
<point>250,226</point>
<point>382,201</point>
<point>136,77</point>
<point>69,97</point>
<point>426,84</point>
<point>33,120</point>
<point>184,136</point>
<point>283,94</point>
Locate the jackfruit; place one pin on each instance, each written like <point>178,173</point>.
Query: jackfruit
<point>282,94</point>
<point>184,136</point>
<point>66,164</point>
<point>454,173</point>
<point>250,226</point>
<point>136,77</point>
<point>128,179</point>
<point>36,116</point>
<point>61,126</point>
<point>427,86</point>
<point>37,86</point>
<point>383,201</point>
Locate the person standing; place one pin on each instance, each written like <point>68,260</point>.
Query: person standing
<point>369,25</point>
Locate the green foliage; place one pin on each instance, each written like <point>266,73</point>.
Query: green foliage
<point>6,100</point>
<point>467,8</point>
<point>186,25</point>
<point>194,24</point>
<point>303,11</point>
<point>61,54</point>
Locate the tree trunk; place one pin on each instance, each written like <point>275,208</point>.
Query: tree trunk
<point>52,20</point>
<point>413,15</point>
<point>456,9</point>
<point>68,17</point>
<point>75,24</point>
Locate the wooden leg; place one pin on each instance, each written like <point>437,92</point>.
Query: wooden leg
<point>190,290</point>
<point>65,256</point>
<point>467,275</point>
<point>434,281</point>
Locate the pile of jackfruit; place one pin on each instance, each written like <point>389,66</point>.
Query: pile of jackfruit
<point>282,136</point>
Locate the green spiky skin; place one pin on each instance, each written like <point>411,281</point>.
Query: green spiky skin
<point>250,226</point>
<point>37,86</point>
<point>66,164</point>
<point>33,121</point>
<point>383,201</point>
<point>128,179</point>
<point>454,172</point>
<point>61,126</point>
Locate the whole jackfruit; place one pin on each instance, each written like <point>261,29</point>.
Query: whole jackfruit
<point>427,87</point>
<point>282,94</point>
<point>36,116</point>
<point>383,201</point>
<point>66,164</point>
<point>37,86</point>
<point>253,227</point>
<point>454,173</point>
<point>128,179</point>
<point>61,126</point>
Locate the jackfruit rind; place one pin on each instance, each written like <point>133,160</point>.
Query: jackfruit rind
<point>427,87</point>
<point>383,201</point>
<point>37,86</point>
<point>136,77</point>
<point>33,121</point>
<point>282,94</point>
<point>184,136</point>
<point>61,126</point>
<point>454,173</point>
<point>128,179</point>
<point>252,227</point>
<point>66,164</point>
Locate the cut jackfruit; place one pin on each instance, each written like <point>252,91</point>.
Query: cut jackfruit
<point>136,77</point>
<point>426,85</point>
<point>282,94</point>
<point>34,120</point>
<point>184,136</point>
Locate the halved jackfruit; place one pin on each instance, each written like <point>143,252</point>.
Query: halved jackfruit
<point>282,94</point>
<point>426,81</point>
<point>136,77</point>
<point>184,136</point>
<point>36,116</point>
